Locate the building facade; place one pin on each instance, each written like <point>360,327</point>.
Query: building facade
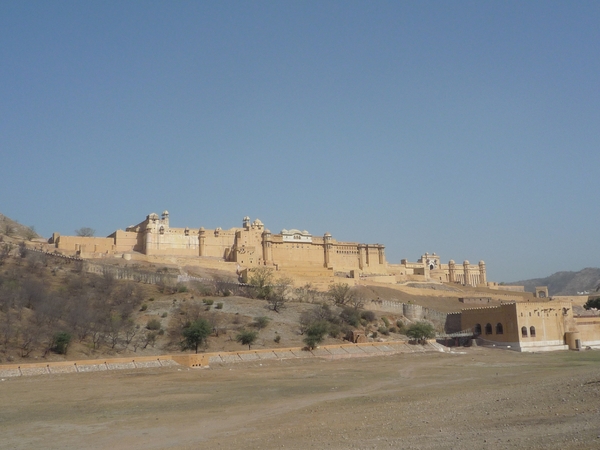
<point>250,245</point>
<point>532,326</point>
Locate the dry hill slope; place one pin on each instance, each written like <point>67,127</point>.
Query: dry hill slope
<point>566,283</point>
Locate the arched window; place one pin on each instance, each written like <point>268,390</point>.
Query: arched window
<point>488,328</point>
<point>532,331</point>
<point>477,330</point>
<point>499,329</point>
<point>524,331</point>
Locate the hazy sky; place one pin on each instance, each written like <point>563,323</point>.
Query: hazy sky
<point>469,129</point>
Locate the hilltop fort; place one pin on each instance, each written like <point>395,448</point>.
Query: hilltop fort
<point>254,245</point>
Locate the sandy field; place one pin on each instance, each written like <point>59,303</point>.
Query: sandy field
<point>473,399</point>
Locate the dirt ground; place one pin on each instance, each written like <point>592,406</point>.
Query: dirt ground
<point>476,398</point>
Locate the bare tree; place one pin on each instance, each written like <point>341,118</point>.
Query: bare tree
<point>129,331</point>
<point>261,280</point>
<point>5,250</point>
<point>85,232</point>
<point>340,293</point>
<point>30,233</point>
<point>279,293</point>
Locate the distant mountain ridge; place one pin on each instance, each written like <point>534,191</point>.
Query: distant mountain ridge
<point>565,283</point>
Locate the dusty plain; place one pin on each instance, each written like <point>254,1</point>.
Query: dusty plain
<point>474,398</point>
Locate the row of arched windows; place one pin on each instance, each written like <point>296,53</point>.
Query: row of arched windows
<point>500,330</point>
<point>488,329</point>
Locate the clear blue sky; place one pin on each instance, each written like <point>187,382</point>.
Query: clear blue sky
<point>469,129</point>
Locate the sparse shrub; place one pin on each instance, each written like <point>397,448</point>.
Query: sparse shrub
<point>219,305</point>
<point>153,324</point>
<point>226,293</point>
<point>208,301</point>
<point>261,322</point>
<point>161,332</point>
<point>181,287</point>
<point>385,321</point>
<point>350,316</point>
<point>334,330</point>
<point>393,330</point>
<point>165,314</point>
<point>369,316</point>
<point>144,307</point>
<point>277,339</point>
<point>9,230</point>
<point>151,299</point>
<point>384,331</point>
<point>374,334</point>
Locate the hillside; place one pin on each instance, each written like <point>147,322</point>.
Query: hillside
<point>565,283</point>
<point>12,229</point>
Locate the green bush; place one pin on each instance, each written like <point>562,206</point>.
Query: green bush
<point>384,331</point>
<point>351,316</point>
<point>61,342</point>
<point>261,322</point>
<point>393,329</point>
<point>374,334</point>
<point>165,314</point>
<point>219,305</point>
<point>592,303</point>
<point>334,330</point>
<point>386,321</point>
<point>196,334</point>
<point>181,287</point>
<point>277,339</point>
<point>420,331</point>
<point>207,301</point>
<point>246,337</point>
<point>144,307</point>
<point>153,324</point>
<point>315,333</point>
<point>369,316</point>
<point>151,299</point>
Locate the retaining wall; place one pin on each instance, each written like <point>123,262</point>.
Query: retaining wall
<point>206,359</point>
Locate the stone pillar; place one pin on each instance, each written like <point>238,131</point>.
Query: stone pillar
<point>328,249</point>
<point>202,241</point>
<point>482,273</point>
<point>267,247</point>
<point>451,271</point>
<point>148,241</point>
<point>361,256</point>
<point>382,255</point>
<point>466,265</point>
